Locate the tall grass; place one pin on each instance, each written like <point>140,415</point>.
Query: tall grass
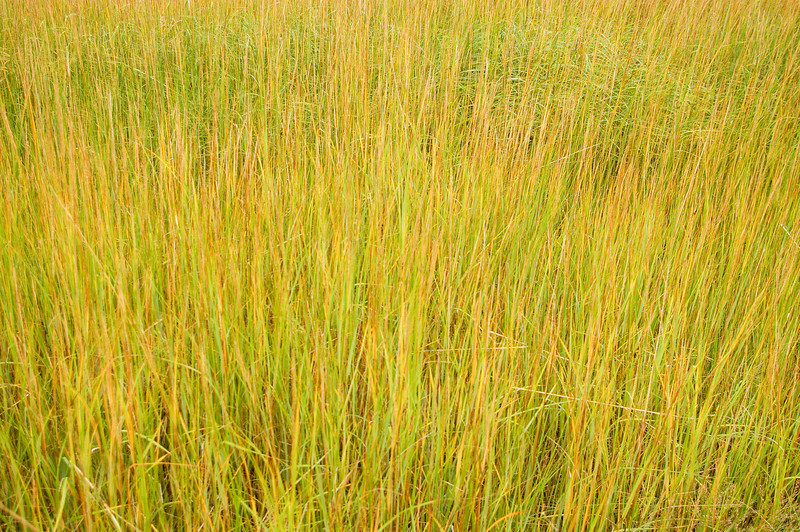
<point>400,265</point>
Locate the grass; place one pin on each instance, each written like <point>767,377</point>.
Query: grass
<point>400,265</point>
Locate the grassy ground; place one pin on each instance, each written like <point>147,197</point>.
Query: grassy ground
<point>364,265</point>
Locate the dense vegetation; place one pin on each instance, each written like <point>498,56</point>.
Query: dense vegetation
<point>402,265</point>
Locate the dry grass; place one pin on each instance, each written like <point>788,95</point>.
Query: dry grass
<point>400,265</point>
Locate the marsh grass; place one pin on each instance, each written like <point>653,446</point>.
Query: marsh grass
<point>400,265</point>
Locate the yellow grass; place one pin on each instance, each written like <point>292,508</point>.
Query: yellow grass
<point>364,265</point>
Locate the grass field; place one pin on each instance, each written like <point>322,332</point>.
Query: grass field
<point>400,265</point>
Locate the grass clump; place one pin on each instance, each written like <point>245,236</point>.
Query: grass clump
<point>400,266</point>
